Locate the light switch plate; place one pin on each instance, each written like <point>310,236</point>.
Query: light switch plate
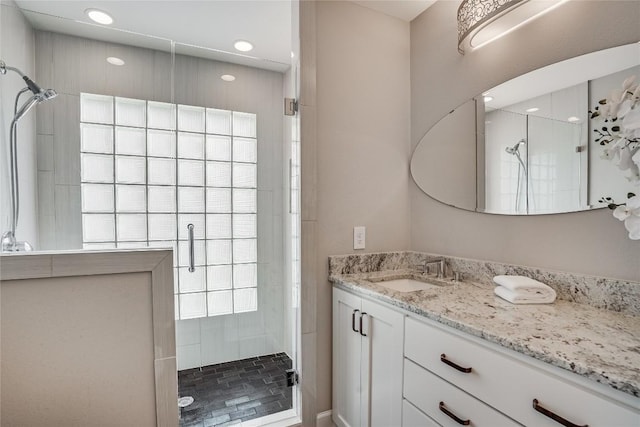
<point>359,237</point>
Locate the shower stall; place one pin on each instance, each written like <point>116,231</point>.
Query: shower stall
<point>162,152</point>
<point>533,164</point>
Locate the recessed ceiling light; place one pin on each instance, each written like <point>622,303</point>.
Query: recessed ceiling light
<point>243,46</point>
<point>115,61</point>
<point>573,119</point>
<point>488,98</point>
<point>228,77</point>
<point>532,109</point>
<point>99,16</point>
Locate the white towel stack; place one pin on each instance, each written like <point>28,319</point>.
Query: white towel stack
<point>523,290</point>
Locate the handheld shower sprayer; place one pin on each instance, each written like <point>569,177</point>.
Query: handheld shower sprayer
<point>516,147</point>
<point>9,242</point>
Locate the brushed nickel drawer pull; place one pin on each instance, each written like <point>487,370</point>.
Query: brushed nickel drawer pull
<point>555,417</point>
<point>443,359</point>
<point>361,316</point>
<point>451,415</point>
<point>353,320</point>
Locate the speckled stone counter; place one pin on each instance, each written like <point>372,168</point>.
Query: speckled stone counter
<point>602,345</point>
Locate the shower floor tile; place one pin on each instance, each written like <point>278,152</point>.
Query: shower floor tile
<point>232,392</point>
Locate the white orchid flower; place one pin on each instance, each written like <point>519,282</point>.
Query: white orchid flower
<point>629,82</point>
<point>632,224</point>
<point>624,161</point>
<point>631,208</point>
<point>636,157</point>
<point>636,93</point>
<point>631,119</point>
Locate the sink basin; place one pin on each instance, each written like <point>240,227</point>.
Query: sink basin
<point>405,285</point>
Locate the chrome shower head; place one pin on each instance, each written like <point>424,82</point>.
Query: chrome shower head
<point>516,147</point>
<point>33,86</point>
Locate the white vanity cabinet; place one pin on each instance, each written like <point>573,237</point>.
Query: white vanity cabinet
<point>506,382</point>
<point>395,368</point>
<point>367,362</point>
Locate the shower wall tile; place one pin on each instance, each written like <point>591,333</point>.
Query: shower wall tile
<point>188,356</point>
<point>46,198</point>
<point>66,140</point>
<point>249,347</point>
<point>45,153</point>
<point>68,217</point>
<point>47,232</point>
<point>44,53</point>
<point>73,56</point>
<point>134,80</point>
<point>44,118</point>
<point>46,211</point>
<point>187,332</point>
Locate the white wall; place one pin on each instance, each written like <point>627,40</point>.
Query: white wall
<point>588,242</point>
<point>17,49</point>
<point>362,146</point>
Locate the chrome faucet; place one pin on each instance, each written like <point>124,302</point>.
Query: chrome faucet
<point>440,263</point>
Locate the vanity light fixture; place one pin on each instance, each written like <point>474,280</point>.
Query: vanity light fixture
<point>482,21</point>
<point>573,119</point>
<point>243,46</point>
<point>115,61</point>
<point>228,77</point>
<point>99,16</point>
<point>532,109</point>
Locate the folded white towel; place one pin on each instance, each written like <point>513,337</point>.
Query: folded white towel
<point>516,283</point>
<point>514,297</point>
<point>523,290</point>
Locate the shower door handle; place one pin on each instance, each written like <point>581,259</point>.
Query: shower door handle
<point>192,255</point>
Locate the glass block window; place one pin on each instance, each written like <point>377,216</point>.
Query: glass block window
<point>150,169</point>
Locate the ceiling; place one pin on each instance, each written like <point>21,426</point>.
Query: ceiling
<point>201,28</point>
<point>204,28</point>
<point>406,10</point>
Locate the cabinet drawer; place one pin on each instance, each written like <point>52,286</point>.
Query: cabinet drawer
<point>412,417</point>
<point>510,384</point>
<point>433,396</point>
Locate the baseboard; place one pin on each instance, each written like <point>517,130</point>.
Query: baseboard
<point>324,419</point>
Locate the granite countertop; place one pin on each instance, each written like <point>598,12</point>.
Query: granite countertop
<point>601,345</point>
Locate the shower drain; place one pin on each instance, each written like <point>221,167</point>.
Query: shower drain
<point>185,401</point>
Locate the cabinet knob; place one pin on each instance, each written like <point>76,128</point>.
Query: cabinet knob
<point>443,359</point>
<point>555,417</point>
<point>453,416</point>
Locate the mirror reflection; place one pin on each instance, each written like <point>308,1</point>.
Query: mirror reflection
<point>528,146</point>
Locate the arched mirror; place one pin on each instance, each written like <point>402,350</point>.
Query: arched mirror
<point>529,146</point>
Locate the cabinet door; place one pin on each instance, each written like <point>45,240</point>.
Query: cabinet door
<point>382,364</point>
<point>347,411</point>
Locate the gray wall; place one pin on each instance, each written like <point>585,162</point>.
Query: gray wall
<point>72,65</point>
<point>17,49</point>
<point>362,147</point>
<point>588,242</point>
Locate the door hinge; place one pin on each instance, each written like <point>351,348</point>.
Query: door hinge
<point>293,378</point>
<point>290,106</point>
